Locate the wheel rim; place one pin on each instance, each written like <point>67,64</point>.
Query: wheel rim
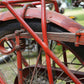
<point>58,77</point>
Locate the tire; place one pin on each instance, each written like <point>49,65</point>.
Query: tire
<point>10,26</point>
<point>52,7</point>
<point>62,10</point>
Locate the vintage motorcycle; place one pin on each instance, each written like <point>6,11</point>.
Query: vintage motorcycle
<point>46,47</point>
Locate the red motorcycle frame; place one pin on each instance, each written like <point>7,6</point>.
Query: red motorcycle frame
<point>44,44</point>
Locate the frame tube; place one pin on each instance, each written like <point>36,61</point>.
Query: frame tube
<point>19,61</point>
<point>44,31</point>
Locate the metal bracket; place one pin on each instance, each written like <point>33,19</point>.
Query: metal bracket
<point>79,38</point>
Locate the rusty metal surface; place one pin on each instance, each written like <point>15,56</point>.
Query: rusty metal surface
<point>58,70</point>
<point>59,19</point>
<point>79,38</point>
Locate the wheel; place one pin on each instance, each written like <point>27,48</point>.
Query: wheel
<point>4,58</point>
<point>62,10</point>
<point>70,55</point>
<point>52,7</point>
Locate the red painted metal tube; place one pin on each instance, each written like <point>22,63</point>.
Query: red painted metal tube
<point>43,45</point>
<point>64,55</point>
<point>19,61</point>
<point>44,30</point>
<point>56,6</point>
<point>21,5</point>
<point>17,1</point>
<point>35,66</point>
<point>33,3</point>
<point>19,65</point>
<point>65,59</point>
<point>1,81</point>
<point>14,5</point>
<point>24,62</point>
<point>20,1</point>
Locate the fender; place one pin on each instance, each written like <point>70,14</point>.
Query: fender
<point>54,17</point>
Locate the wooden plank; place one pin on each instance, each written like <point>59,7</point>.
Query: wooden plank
<point>67,37</point>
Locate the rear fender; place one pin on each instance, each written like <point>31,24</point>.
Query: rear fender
<point>54,17</point>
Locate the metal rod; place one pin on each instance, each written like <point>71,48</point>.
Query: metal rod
<point>17,4</point>
<point>16,1</point>
<point>44,31</point>
<point>21,1</point>
<point>19,61</point>
<point>56,6</point>
<point>65,59</point>
<point>33,73</point>
<point>64,56</point>
<point>1,81</point>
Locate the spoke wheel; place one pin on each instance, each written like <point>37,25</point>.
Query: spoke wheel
<point>66,52</point>
<point>37,70</point>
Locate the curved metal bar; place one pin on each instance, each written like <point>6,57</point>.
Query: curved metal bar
<point>3,50</point>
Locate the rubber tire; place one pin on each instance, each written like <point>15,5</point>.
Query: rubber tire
<point>8,27</point>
